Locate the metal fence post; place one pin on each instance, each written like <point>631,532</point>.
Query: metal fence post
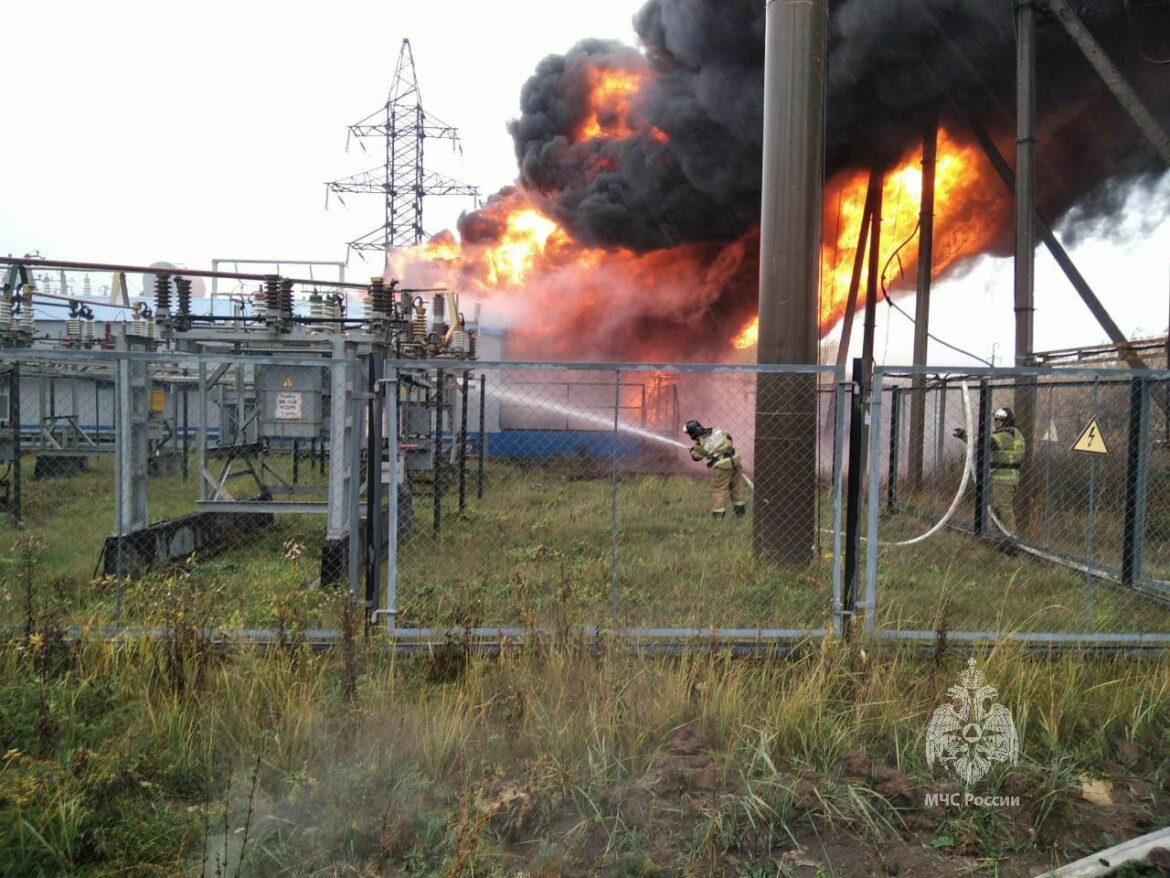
<point>982,459</point>
<point>14,419</point>
<point>875,478</point>
<point>853,501</point>
<point>940,434</point>
<point>373,529</point>
<point>463,441</point>
<point>895,435</point>
<point>1090,536</point>
<point>838,492</point>
<point>613,523</point>
<point>437,451</point>
<point>186,427</point>
<point>391,390</point>
<point>1136,474</point>
<point>482,434</point>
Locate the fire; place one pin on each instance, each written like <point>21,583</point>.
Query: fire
<point>962,199</point>
<point>695,301</point>
<point>748,335</point>
<point>610,96</point>
<point>525,238</point>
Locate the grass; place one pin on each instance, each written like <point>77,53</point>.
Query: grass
<point>538,550</point>
<point>161,755</point>
<point>555,760</point>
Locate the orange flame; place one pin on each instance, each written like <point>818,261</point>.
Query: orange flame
<point>525,238</point>
<point>963,203</point>
<point>560,298</point>
<point>610,95</point>
<point>748,336</point>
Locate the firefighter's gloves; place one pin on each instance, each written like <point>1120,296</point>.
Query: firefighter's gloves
<point>959,433</point>
<point>710,463</point>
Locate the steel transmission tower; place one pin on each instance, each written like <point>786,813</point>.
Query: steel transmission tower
<point>403,180</point>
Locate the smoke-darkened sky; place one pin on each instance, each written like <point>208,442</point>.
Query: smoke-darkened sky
<point>892,65</point>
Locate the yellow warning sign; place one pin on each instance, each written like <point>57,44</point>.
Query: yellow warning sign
<point>1091,440</point>
<point>287,382</point>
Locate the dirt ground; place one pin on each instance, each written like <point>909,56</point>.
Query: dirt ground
<point>671,807</point>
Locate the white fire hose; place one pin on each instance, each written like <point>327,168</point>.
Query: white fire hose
<point>968,468</point>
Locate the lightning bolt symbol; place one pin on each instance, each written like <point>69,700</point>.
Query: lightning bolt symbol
<point>1092,433</point>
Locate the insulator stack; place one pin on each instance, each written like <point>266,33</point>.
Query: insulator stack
<point>420,321</point>
<point>316,305</point>
<point>86,289</point>
<point>405,303</point>
<point>184,286</point>
<point>5,312</point>
<point>87,332</point>
<point>162,295</point>
<point>333,307</point>
<point>286,296</point>
<point>72,331</point>
<point>379,297</point>
<point>260,304</point>
<point>26,310</point>
<point>458,343</point>
<point>367,308</point>
<point>439,322</point>
<point>272,295</point>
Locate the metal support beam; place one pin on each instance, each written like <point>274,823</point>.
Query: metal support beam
<point>1025,182</point>
<point>1060,255</point>
<point>916,451</point>
<point>872,286</point>
<point>855,277</point>
<point>1111,76</point>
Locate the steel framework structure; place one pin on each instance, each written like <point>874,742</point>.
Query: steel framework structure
<point>403,180</point>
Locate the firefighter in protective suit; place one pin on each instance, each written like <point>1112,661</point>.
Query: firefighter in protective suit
<point>1007,456</point>
<point>714,445</point>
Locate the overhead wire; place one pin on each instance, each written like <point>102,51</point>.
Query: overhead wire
<point>890,301</point>
<point>1137,41</point>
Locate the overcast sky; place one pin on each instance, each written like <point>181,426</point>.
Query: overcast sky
<point>140,132</point>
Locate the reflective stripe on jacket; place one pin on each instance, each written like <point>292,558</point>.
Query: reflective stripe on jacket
<point>1007,454</point>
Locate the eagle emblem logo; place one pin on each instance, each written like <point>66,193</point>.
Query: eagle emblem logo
<point>973,731</point>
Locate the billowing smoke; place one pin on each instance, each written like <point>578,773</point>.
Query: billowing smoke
<point>892,66</point>
<point>648,162</point>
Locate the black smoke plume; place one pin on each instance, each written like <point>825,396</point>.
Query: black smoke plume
<point>893,64</point>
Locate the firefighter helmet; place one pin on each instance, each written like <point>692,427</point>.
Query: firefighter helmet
<point>1006,415</point>
<point>694,429</point>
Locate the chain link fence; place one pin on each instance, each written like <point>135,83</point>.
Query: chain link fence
<point>503,498</point>
<point>588,509</point>
<point>1075,546</point>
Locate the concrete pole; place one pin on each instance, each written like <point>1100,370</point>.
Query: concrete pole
<point>795,55</point>
<point>1025,257</point>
